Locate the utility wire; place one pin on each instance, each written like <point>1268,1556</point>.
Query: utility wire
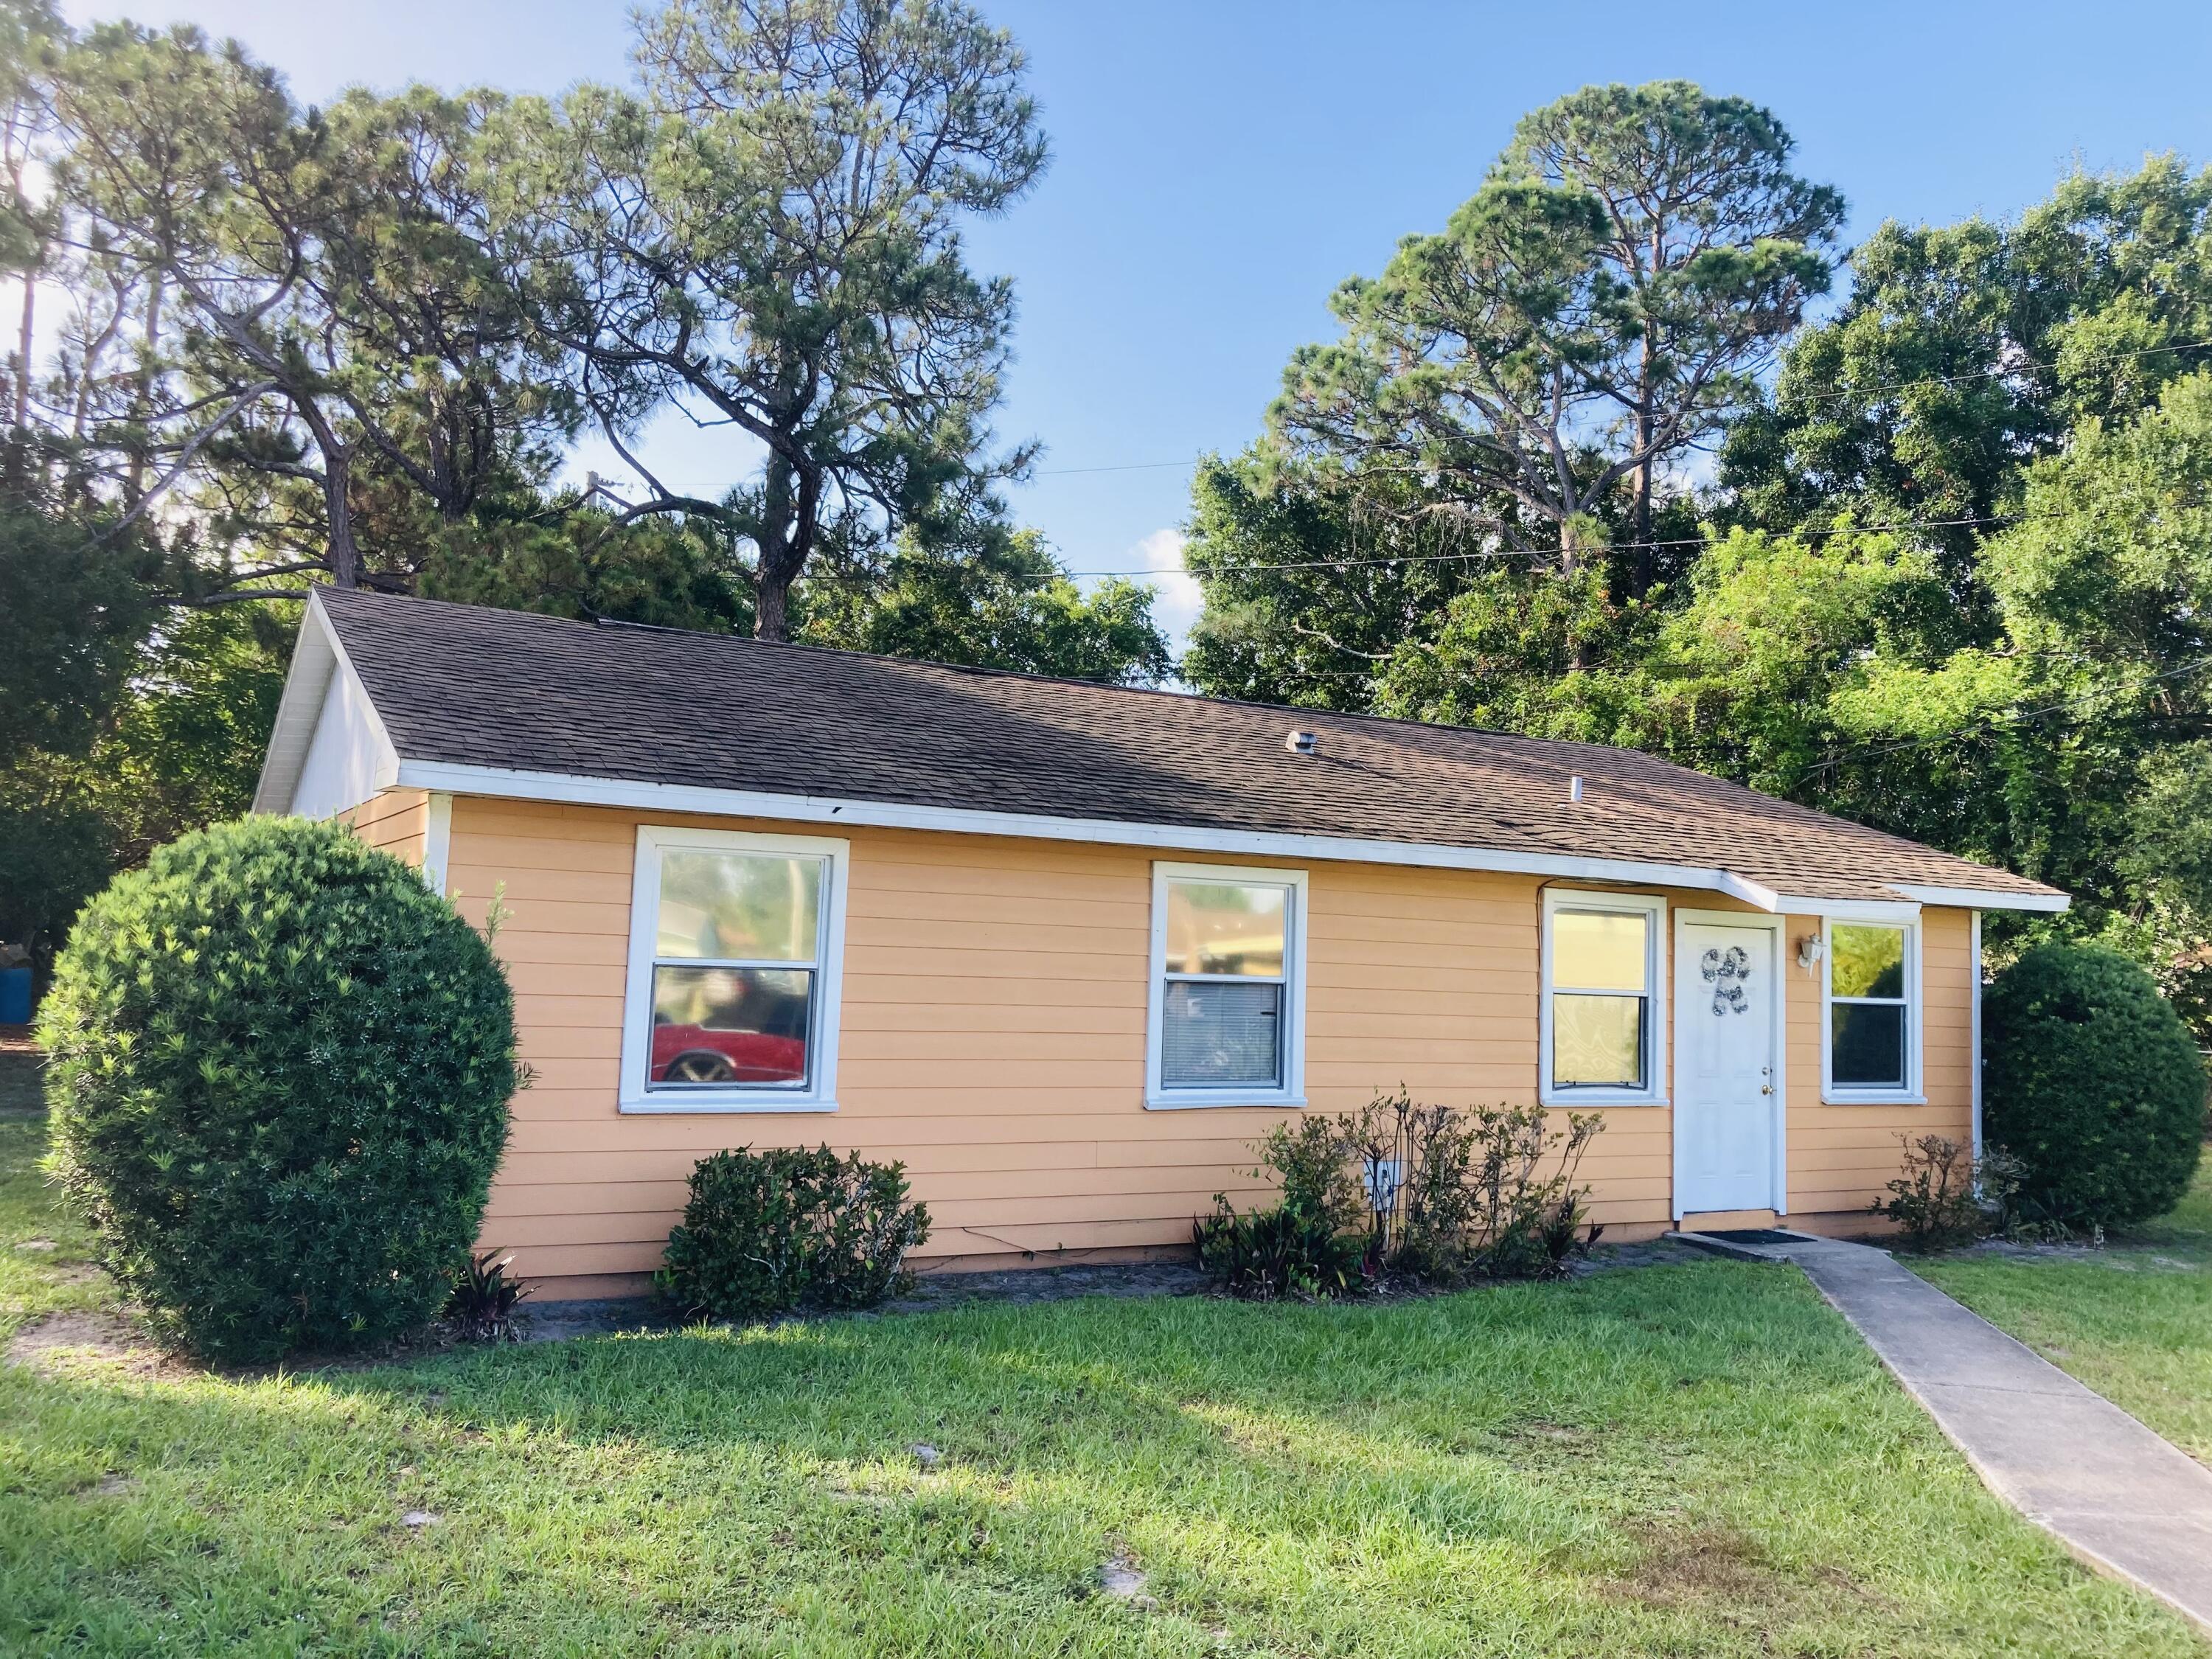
<point>2020,717</point>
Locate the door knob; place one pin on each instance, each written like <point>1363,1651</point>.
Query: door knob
<point>1767,1088</point>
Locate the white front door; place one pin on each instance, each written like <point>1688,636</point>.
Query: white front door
<point>1728,1073</point>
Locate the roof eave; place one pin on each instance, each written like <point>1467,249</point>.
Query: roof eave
<point>584,790</point>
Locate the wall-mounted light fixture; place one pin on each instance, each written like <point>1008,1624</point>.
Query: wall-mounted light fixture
<point>1810,950</point>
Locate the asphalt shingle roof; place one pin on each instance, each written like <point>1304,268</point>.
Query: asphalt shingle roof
<point>464,685</point>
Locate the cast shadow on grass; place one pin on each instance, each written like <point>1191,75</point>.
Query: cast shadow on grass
<point>1676,1459</point>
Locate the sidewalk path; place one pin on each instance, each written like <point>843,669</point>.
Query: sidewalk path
<point>2115,1493</point>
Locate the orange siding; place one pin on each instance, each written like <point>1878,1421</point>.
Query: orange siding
<point>1839,1157</point>
<point>993,1038</point>
<point>399,821</point>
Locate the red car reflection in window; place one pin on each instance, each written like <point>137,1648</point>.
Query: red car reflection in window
<point>695,1054</point>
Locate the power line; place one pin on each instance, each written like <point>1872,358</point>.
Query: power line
<point>2002,369</point>
<point>2019,717</point>
<point>1538,553</point>
<point>1824,397</point>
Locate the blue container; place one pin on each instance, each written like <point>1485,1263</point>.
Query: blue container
<point>15,996</point>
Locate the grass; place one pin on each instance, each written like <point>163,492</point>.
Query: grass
<point>2133,1320</point>
<point>1674,1460</point>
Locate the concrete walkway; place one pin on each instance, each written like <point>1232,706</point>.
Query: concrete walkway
<point>2115,1493</point>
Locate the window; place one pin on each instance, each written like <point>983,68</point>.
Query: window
<point>1228,987</point>
<point>732,1002</point>
<point>1873,971</point>
<point>1601,1023</point>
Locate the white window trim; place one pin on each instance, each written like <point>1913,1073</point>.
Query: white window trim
<point>1652,907</point>
<point>820,1094</point>
<point>1835,1094</point>
<point>1293,1090</point>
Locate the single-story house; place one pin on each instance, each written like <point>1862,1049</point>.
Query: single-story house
<point>1066,950</point>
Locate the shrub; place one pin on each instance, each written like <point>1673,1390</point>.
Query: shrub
<point>279,1072</point>
<point>1944,1197</point>
<point>768,1231</point>
<point>1443,1197</point>
<point>2093,1082</point>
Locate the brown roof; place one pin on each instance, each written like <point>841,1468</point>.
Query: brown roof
<point>464,685</point>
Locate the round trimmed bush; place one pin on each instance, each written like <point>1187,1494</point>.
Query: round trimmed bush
<point>279,1069</point>
<point>2093,1084</point>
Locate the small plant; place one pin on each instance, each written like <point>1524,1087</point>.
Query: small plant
<point>1526,1223</point>
<point>1943,1197</point>
<point>482,1305</point>
<point>768,1231</point>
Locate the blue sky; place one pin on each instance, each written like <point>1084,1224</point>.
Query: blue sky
<point>1218,168</point>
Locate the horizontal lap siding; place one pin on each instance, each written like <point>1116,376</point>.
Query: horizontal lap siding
<point>397,820</point>
<point>1840,1157</point>
<point>993,1039</point>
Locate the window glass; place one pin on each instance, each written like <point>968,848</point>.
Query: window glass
<point>1223,928</point>
<point>1597,1042</point>
<point>749,906</point>
<point>1866,962</point>
<point>1867,1044</point>
<point>731,1026</point>
<point>1600,951</point>
<point>1216,1035</point>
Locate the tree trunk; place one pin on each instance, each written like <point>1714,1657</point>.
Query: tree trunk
<point>789,506</point>
<point>1641,566</point>
<point>345,557</point>
<point>23,340</point>
<point>135,484</point>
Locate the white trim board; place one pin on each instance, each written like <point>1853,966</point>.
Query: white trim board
<point>438,843</point>
<point>329,750</point>
<point>1159,1097</point>
<point>820,1094</point>
<point>573,789</point>
<point>1656,956</point>
<point>1778,1038</point>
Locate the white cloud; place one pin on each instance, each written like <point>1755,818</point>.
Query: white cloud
<point>1160,556</point>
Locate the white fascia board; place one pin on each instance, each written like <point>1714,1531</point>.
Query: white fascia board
<point>570,789</point>
<point>325,708</point>
<point>1894,909</point>
<point>1977,898</point>
<point>574,789</point>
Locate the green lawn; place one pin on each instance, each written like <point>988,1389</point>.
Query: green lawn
<point>2133,1321</point>
<point>1677,1461</point>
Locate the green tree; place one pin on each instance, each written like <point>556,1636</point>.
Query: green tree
<point>336,330</point>
<point>1311,586</point>
<point>1966,351</point>
<point>769,237</point>
<point>1603,303</point>
<point>993,597</point>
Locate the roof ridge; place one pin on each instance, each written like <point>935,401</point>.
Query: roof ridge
<point>1361,716</point>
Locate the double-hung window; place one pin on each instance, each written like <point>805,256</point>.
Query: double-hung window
<point>732,1000</point>
<point>1873,1037</point>
<point>1600,1025</point>
<point>1228,987</point>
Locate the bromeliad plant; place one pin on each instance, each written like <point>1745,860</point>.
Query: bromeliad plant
<point>482,1308</point>
<point>1400,1192</point>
